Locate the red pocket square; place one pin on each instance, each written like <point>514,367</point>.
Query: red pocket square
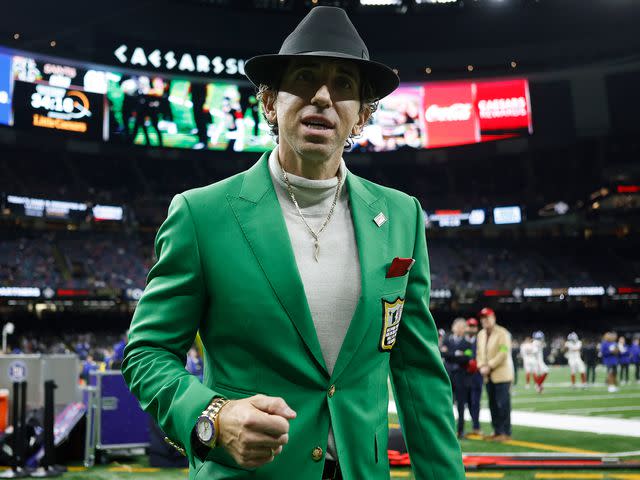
<point>400,267</point>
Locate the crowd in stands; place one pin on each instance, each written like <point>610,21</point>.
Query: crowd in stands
<point>75,260</point>
<point>98,259</point>
<point>96,351</point>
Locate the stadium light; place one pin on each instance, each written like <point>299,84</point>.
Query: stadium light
<point>383,6</point>
<point>273,4</point>
<point>436,5</point>
<point>381,3</point>
<point>329,3</point>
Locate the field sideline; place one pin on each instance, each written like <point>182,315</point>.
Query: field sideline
<point>558,398</point>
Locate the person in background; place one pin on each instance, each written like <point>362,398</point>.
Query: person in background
<point>590,352</point>
<point>635,356</point>
<point>529,361</point>
<point>609,352</point>
<point>118,353</point>
<point>624,359</point>
<point>82,347</point>
<point>457,356</point>
<point>495,364</point>
<point>88,366</point>
<point>541,369</point>
<point>573,349</point>
<point>442,334</point>
<point>194,363</point>
<point>515,352</point>
<point>475,388</point>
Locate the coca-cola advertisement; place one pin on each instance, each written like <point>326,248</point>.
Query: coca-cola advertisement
<point>449,114</point>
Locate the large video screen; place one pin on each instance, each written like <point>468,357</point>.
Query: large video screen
<point>164,110</point>
<point>58,98</point>
<point>5,89</point>
<point>444,114</point>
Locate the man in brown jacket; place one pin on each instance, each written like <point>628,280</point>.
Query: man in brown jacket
<point>496,366</point>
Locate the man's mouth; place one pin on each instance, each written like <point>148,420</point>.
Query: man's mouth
<point>317,123</point>
<point>317,126</point>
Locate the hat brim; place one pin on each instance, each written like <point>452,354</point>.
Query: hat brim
<point>268,69</point>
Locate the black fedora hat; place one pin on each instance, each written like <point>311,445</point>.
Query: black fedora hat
<point>325,32</point>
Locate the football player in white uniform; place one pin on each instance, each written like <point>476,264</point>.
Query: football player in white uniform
<point>529,359</point>
<point>541,370</point>
<point>573,349</point>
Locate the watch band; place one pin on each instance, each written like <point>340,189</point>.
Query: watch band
<point>212,411</point>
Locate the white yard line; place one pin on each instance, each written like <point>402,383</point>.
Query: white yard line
<point>599,409</point>
<point>544,398</point>
<point>602,425</point>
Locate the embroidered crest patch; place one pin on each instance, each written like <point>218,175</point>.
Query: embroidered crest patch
<point>391,314</point>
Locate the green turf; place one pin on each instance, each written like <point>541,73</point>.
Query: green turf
<point>592,401</point>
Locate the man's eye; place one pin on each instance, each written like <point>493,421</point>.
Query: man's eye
<point>304,76</point>
<point>346,83</point>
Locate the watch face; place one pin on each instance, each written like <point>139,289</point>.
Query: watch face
<point>205,430</point>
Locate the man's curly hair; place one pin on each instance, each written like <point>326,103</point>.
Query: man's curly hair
<point>368,100</point>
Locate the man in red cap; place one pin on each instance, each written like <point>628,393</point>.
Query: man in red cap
<point>496,366</point>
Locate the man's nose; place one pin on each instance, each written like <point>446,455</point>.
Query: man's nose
<point>322,97</point>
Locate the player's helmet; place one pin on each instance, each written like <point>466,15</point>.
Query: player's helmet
<point>573,337</point>
<point>538,335</point>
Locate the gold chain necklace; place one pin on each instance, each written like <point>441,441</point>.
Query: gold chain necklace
<point>315,235</point>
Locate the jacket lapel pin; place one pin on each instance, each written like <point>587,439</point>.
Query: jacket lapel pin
<point>380,219</point>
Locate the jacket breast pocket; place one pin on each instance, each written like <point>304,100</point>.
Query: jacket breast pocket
<point>395,284</point>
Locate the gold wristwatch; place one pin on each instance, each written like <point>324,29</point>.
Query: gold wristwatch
<point>207,426</point>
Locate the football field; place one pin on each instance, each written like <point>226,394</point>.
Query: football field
<point>566,417</point>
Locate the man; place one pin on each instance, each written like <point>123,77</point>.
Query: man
<point>515,361</point>
<point>573,354</point>
<point>529,360</point>
<point>624,359</point>
<point>590,351</point>
<point>309,286</point>
<point>494,362</point>
<point>457,355</point>
<point>475,390</point>
<point>609,352</point>
<point>635,356</point>
<point>541,370</point>
<point>194,363</point>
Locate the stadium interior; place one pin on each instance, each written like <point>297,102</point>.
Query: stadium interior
<point>539,221</point>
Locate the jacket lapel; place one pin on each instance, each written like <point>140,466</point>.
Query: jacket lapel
<point>372,251</point>
<point>259,214</point>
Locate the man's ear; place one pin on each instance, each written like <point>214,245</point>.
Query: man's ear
<point>363,118</point>
<point>268,104</point>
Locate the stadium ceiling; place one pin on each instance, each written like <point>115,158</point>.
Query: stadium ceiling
<point>409,34</point>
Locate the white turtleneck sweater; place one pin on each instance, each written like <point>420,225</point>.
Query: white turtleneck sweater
<point>332,285</point>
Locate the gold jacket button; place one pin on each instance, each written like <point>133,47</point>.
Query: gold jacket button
<point>316,454</point>
<point>332,390</point>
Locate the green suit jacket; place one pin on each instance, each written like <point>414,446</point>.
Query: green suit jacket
<point>226,269</point>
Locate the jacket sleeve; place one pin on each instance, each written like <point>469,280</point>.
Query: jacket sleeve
<point>421,386</point>
<point>504,351</point>
<point>163,329</point>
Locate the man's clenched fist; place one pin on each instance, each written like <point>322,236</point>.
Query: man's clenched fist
<point>254,430</point>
